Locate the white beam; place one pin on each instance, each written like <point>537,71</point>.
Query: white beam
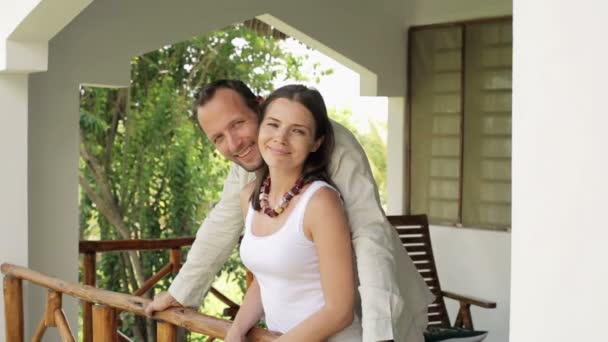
<point>26,57</point>
<point>369,80</point>
<point>26,26</point>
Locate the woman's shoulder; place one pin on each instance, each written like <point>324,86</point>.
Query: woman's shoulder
<point>324,210</point>
<point>325,196</point>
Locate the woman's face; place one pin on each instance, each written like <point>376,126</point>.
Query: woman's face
<point>287,134</point>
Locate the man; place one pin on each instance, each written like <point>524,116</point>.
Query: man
<point>394,298</point>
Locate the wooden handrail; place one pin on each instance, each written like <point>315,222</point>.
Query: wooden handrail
<point>183,317</point>
<point>96,246</point>
<point>89,248</point>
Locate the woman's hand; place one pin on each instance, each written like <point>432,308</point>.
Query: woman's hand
<point>234,335</point>
<point>248,315</point>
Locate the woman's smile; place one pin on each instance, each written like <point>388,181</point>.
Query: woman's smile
<point>280,151</point>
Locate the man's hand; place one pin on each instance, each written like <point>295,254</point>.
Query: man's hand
<point>161,302</point>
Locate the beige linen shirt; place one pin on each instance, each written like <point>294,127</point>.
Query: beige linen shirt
<point>394,298</point>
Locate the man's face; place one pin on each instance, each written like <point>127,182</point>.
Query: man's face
<point>232,127</point>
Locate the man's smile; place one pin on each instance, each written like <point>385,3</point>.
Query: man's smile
<point>245,152</point>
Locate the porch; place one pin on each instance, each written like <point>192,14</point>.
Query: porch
<point>48,48</point>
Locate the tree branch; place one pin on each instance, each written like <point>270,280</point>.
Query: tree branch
<point>100,179</point>
<point>118,112</point>
<point>114,217</point>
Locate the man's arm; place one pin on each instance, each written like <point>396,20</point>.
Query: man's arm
<point>215,240</point>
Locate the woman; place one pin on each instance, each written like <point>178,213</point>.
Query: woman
<point>297,242</point>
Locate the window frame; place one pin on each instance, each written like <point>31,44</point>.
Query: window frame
<point>413,29</point>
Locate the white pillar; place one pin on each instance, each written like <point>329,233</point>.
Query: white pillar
<point>53,186</point>
<point>560,171</point>
<point>13,175</point>
<point>396,157</point>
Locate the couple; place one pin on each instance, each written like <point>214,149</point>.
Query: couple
<point>313,183</point>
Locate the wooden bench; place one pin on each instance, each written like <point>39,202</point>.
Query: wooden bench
<point>415,236</point>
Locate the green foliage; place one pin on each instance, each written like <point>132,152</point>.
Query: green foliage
<point>146,169</point>
<point>373,144</point>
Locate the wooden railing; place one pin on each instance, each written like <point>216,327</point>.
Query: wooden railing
<point>89,249</point>
<point>106,304</point>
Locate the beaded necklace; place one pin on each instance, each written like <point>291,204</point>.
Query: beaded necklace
<point>276,211</point>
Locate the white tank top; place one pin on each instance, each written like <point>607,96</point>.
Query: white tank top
<point>286,266</point>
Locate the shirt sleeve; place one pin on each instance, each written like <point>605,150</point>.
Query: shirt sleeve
<point>371,235</point>
<point>214,242</point>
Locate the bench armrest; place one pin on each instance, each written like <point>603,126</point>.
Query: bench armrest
<point>470,300</point>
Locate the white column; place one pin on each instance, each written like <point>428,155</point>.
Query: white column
<point>13,175</point>
<point>396,157</point>
<point>53,185</point>
<point>560,171</point>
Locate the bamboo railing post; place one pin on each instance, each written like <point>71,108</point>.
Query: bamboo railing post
<point>53,302</point>
<point>13,308</point>
<point>175,257</point>
<point>148,284</point>
<point>122,337</point>
<point>62,325</point>
<point>104,324</point>
<point>249,278</point>
<point>54,317</point>
<point>87,307</point>
<point>39,331</point>
<point>166,332</point>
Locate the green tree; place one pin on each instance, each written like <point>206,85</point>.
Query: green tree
<point>146,170</point>
<point>373,144</point>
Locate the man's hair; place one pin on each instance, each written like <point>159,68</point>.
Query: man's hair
<point>206,93</point>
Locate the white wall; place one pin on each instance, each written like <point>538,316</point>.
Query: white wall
<point>560,163</point>
<point>476,263</point>
<point>470,261</point>
<point>13,175</point>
